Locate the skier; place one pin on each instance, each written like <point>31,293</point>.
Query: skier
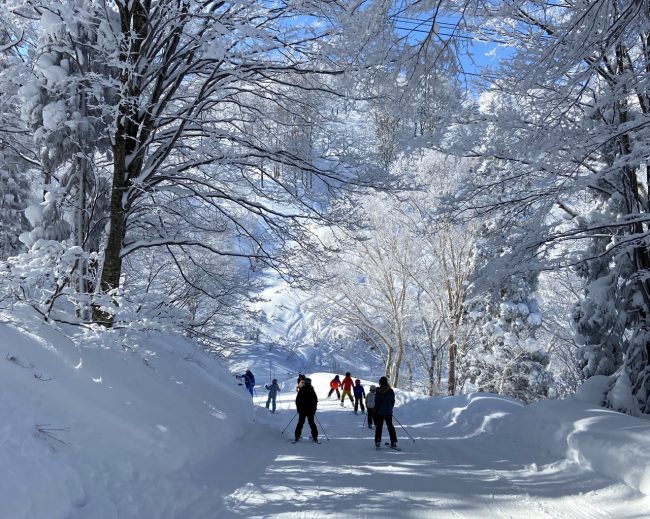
<point>273,393</point>
<point>359,395</point>
<point>306,404</point>
<point>384,403</point>
<point>335,384</point>
<point>346,387</point>
<point>370,405</point>
<point>301,381</point>
<point>249,381</point>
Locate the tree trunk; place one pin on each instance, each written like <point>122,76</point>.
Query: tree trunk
<point>451,381</point>
<point>432,372</point>
<point>112,268</point>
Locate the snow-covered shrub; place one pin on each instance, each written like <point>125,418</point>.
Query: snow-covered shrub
<point>44,276</point>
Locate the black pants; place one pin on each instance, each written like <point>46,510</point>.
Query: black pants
<point>301,422</point>
<point>379,421</point>
<point>338,394</point>
<point>371,416</point>
<point>358,400</point>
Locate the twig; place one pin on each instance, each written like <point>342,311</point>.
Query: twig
<point>16,361</point>
<point>47,433</point>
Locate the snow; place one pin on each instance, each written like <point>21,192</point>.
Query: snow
<point>130,424</point>
<point>54,115</point>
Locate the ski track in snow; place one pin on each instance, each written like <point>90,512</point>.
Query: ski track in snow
<point>443,474</point>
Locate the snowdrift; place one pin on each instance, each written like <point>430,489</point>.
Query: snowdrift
<point>611,443</point>
<point>92,426</point>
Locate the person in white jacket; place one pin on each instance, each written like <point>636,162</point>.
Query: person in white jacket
<point>370,405</point>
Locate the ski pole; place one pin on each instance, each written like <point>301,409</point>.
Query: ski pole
<point>403,428</point>
<point>294,417</point>
<point>321,428</point>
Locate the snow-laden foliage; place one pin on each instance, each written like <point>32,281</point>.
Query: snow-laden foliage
<point>15,195</point>
<point>399,286</point>
<point>565,134</point>
<point>509,359</point>
<point>15,150</point>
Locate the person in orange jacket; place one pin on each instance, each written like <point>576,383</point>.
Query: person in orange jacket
<point>346,386</point>
<point>335,384</point>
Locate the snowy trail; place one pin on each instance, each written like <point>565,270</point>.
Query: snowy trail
<point>450,471</point>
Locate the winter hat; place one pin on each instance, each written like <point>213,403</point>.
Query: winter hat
<point>336,376</point>
<point>308,382</point>
<point>383,381</point>
<point>373,388</point>
<point>347,374</point>
<point>357,381</point>
<point>275,380</point>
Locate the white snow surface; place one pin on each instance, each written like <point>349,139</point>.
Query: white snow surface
<point>146,425</point>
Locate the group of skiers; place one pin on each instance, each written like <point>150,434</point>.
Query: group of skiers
<point>379,402</point>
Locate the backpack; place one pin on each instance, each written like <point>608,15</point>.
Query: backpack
<point>370,400</point>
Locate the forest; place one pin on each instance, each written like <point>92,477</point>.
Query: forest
<point>459,188</point>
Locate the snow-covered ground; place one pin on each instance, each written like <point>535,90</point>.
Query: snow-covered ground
<point>135,425</point>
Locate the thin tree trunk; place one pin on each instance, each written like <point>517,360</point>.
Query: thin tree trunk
<point>112,268</point>
<point>451,381</point>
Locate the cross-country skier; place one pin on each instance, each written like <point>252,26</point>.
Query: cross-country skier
<point>370,405</point>
<point>384,403</point>
<point>306,404</point>
<point>346,387</point>
<point>335,384</point>
<point>301,381</point>
<point>274,389</point>
<point>359,395</point>
<point>249,381</point>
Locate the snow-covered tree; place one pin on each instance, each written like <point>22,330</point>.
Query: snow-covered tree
<point>189,79</point>
<point>65,104</point>
<point>565,136</point>
<point>372,293</point>
<point>508,359</point>
<point>16,156</point>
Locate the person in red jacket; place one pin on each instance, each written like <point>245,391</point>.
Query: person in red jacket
<point>335,384</point>
<point>346,386</point>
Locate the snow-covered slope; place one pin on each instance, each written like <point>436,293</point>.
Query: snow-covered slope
<point>141,424</point>
<point>92,426</point>
<point>459,465</point>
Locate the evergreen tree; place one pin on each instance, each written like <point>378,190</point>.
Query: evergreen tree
<point>14,198</point>
<point>508,360</point>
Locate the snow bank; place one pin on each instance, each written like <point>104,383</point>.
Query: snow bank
<point>92,425</point>
<point>611,443</point>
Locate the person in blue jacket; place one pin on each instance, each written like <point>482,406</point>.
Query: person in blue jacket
<point>384,403</point>
<point>249,381</point>
<point>359,395</point>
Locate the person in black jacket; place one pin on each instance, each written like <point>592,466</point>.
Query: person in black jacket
<point>306,404</point>
<point>384,403</point>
